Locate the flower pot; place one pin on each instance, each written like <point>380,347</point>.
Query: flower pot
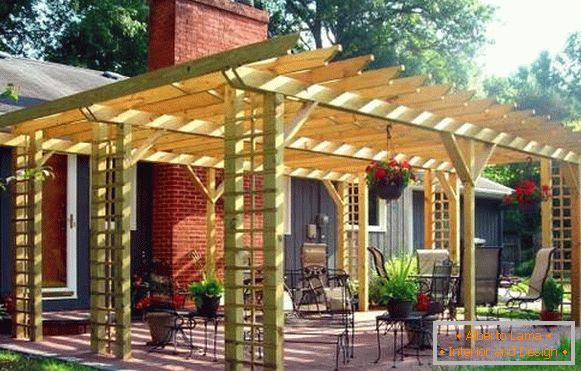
<point>547,315</point>
<point>399,308</point>
<point>159,325</point>
<point>529,208</point>
<point>389,191</point>
<point>209,306</point>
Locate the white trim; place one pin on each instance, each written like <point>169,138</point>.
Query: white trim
<point>408,218</point>
<point>71,239</point>
<point>382,217</point>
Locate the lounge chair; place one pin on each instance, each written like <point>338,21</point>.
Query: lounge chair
<point>428,258</point>
<point>543,262</point>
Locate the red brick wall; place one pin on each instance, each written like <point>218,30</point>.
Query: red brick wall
<point>181,30</point>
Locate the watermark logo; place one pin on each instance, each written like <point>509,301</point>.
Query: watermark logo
<point>503,342</point>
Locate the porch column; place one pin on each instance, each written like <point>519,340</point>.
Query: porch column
<point>234,259</point>
<point>110,247</point>
<point>547,206</point>
<point>468,158</point>
<point>572,178</point>
<point>273,237</point>
<point>363,236</point>
<point>428,210</point>
<point>27,240</point>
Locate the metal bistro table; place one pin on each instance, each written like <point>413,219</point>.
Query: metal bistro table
<point>414,322</point>
<point>215,321</point>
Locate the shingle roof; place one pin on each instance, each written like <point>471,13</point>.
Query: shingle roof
<point>39,81</point>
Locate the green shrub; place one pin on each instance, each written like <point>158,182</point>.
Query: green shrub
<point>376,284</point>
<point>552,294</point>
<point>525,268</point>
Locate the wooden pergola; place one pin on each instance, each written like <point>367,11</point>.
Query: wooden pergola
<point>260,111</point>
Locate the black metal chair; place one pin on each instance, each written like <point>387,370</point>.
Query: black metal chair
<point>378,261</point>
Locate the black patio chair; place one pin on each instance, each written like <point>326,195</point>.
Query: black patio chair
<point>378,261</point>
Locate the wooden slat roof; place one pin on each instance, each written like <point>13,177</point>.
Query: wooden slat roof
<point>337,113</point>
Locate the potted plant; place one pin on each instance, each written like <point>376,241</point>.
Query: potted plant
<point>399,292</point>
<point>527,196</point>
<point>207,294</point>
<point>552,298</point>
<point>388,179</point>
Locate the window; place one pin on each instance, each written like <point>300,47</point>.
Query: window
<point>375,210</point>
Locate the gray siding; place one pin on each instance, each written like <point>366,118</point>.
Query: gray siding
<point>308,198</point>
<point>488,216</point>
<point>394,240</point>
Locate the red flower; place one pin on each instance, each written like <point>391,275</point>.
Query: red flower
<point>380,174</point>
<point>405,165</point>
<point>393,163</point>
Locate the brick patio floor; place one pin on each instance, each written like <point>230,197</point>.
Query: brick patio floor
<point>297,356</point>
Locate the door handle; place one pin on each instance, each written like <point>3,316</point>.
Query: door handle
<point>71,221</point>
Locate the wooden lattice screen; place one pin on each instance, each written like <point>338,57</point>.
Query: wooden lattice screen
<point>441,220</point>
<point>351,242</point>
<point>27,243</point>
<point>110,241</point>
<point>253,250</point>
<point>561,230</point>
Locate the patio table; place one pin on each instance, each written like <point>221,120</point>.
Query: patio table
<point>415,322</point>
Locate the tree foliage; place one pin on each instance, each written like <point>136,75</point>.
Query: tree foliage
<point>438,37</point>
<point>105,35</point>
<point>551,85</point>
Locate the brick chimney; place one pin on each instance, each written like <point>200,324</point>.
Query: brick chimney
<point>182,30</point>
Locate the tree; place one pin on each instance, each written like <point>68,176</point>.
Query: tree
<point>549,85</point>
<point>105,35</point>
<point>438,37</point>
<point>29,27</point>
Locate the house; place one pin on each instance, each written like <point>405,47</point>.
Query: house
<point>168,210</point>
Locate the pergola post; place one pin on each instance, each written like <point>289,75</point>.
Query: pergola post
<point>572,178</point>
<point>110,250</point>
<point>363,236</point>
<point>428,210</point>
<point>233,225</point>
<point>547,206</point>
<point>273,238</point>
<point>468,162</point>
<point>27,243</point>
<point>451,187</point>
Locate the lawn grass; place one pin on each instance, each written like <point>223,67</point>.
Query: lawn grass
<point>12,361</point>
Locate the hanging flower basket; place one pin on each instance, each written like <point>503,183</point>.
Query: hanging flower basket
<point>389,179</point>
<point>527,196</point>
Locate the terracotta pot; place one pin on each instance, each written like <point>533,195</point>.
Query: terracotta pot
<point>550,315</point>
<point>159,325</point>
<point>399,308</point>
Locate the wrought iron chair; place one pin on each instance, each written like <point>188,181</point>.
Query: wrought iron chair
<point>543,263</point>
<point>378,261</point>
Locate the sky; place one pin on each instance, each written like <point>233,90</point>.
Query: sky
<point>524,28</point>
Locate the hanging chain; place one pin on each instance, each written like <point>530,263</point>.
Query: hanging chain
<point>388,140</point>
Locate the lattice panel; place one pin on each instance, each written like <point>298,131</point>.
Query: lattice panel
<point>27,243</point>
<point>561,230</point>
<point>110,241</point>
<point>441,220</point>
<point>253,246</point>
<point>351,243</point>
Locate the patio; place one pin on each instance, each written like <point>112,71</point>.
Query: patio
<point>259,112</point>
